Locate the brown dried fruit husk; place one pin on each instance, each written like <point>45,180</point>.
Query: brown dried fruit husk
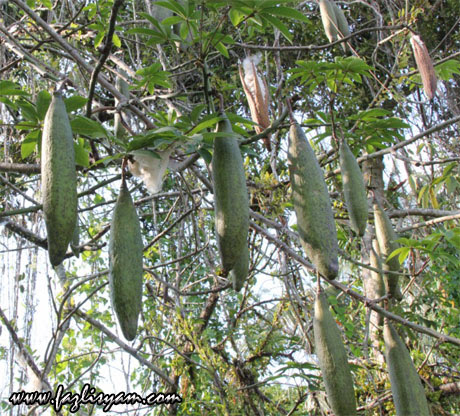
<point>258,104</point>
<point>424,65</point>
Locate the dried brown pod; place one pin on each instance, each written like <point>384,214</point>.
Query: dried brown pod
<point>256,90</point>
<point>424,65</point>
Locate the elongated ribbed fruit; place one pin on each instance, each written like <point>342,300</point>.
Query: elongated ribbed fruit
<point>125,263</point>
<point>408,393</point>
<point>353,189</point>
<point>342,24</point>
<point>333,360</point>
<point>230,195</point>
<point>375,287</point>
<point>75,242</point>
<point>386,238</point>
<point>312,205</point>
<point>122,86</point>
<point>59,179</point>
<point>329,19</point>
<point>240,270</point>
<point>424,65</point>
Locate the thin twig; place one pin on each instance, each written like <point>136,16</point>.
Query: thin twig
<point>130,350</point>
<point>367,302</point>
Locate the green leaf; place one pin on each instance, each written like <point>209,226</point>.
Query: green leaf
<point>204,125</point>
<point>75,102</point>
<point>151,19</point>
<point>446,70</point>
<point>29,143</point>
<point>236,17</point>
<point>286,12</point>
<point>116,41</point>
<point>196,112</point>
<point>10,88</point>
<point>98,39</point>
<point>278,24</point>
<point>28,111</point>
<point>235,118</point>
<point>106,160</point>
<point>87,127</point>
<point>222,49</point>
<point>183,31</point>
<point>402,252</point>
<point>25,125</point>
<point>172,5</point>
<point>43,102</point>
<point>144,31</point>
<point>205,154</point>
<point>172,20</point>
<point>370,115</point>
<point>81,153</point>
<point>47,3</point>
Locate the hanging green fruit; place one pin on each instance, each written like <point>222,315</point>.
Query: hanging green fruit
<point>354,189</point>
<point>231,200</point>
<point>333,360</point>
<point>125,263</point>
<point>408,393</point>
<point>59,179</point>
<point>312,205</point>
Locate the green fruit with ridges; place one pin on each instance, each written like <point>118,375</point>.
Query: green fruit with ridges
<point>343,29</point>
<point>375,287</point>
<point>408,394</point>
<point>125,263</point>
<point>386,238</point>
<point>75,242</point>
<point>333,360</point>
<point>354,189</point>
<point>312,205</point>
<point>230,196</point>
<point>59,179</point>
<point>123,87</point>
<point>240,270</point>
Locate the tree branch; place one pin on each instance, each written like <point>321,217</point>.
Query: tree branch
<point>320,47</point>
<point>413,139</point>
<point>80,60</point>
<point>105,54</point>
<point>421,212</point>
<point>26,234</point>
<point>27,168</point>
<point>367,302</point>
<point>130,350</point>
<point>431,222</point>
<point>23,350</point>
